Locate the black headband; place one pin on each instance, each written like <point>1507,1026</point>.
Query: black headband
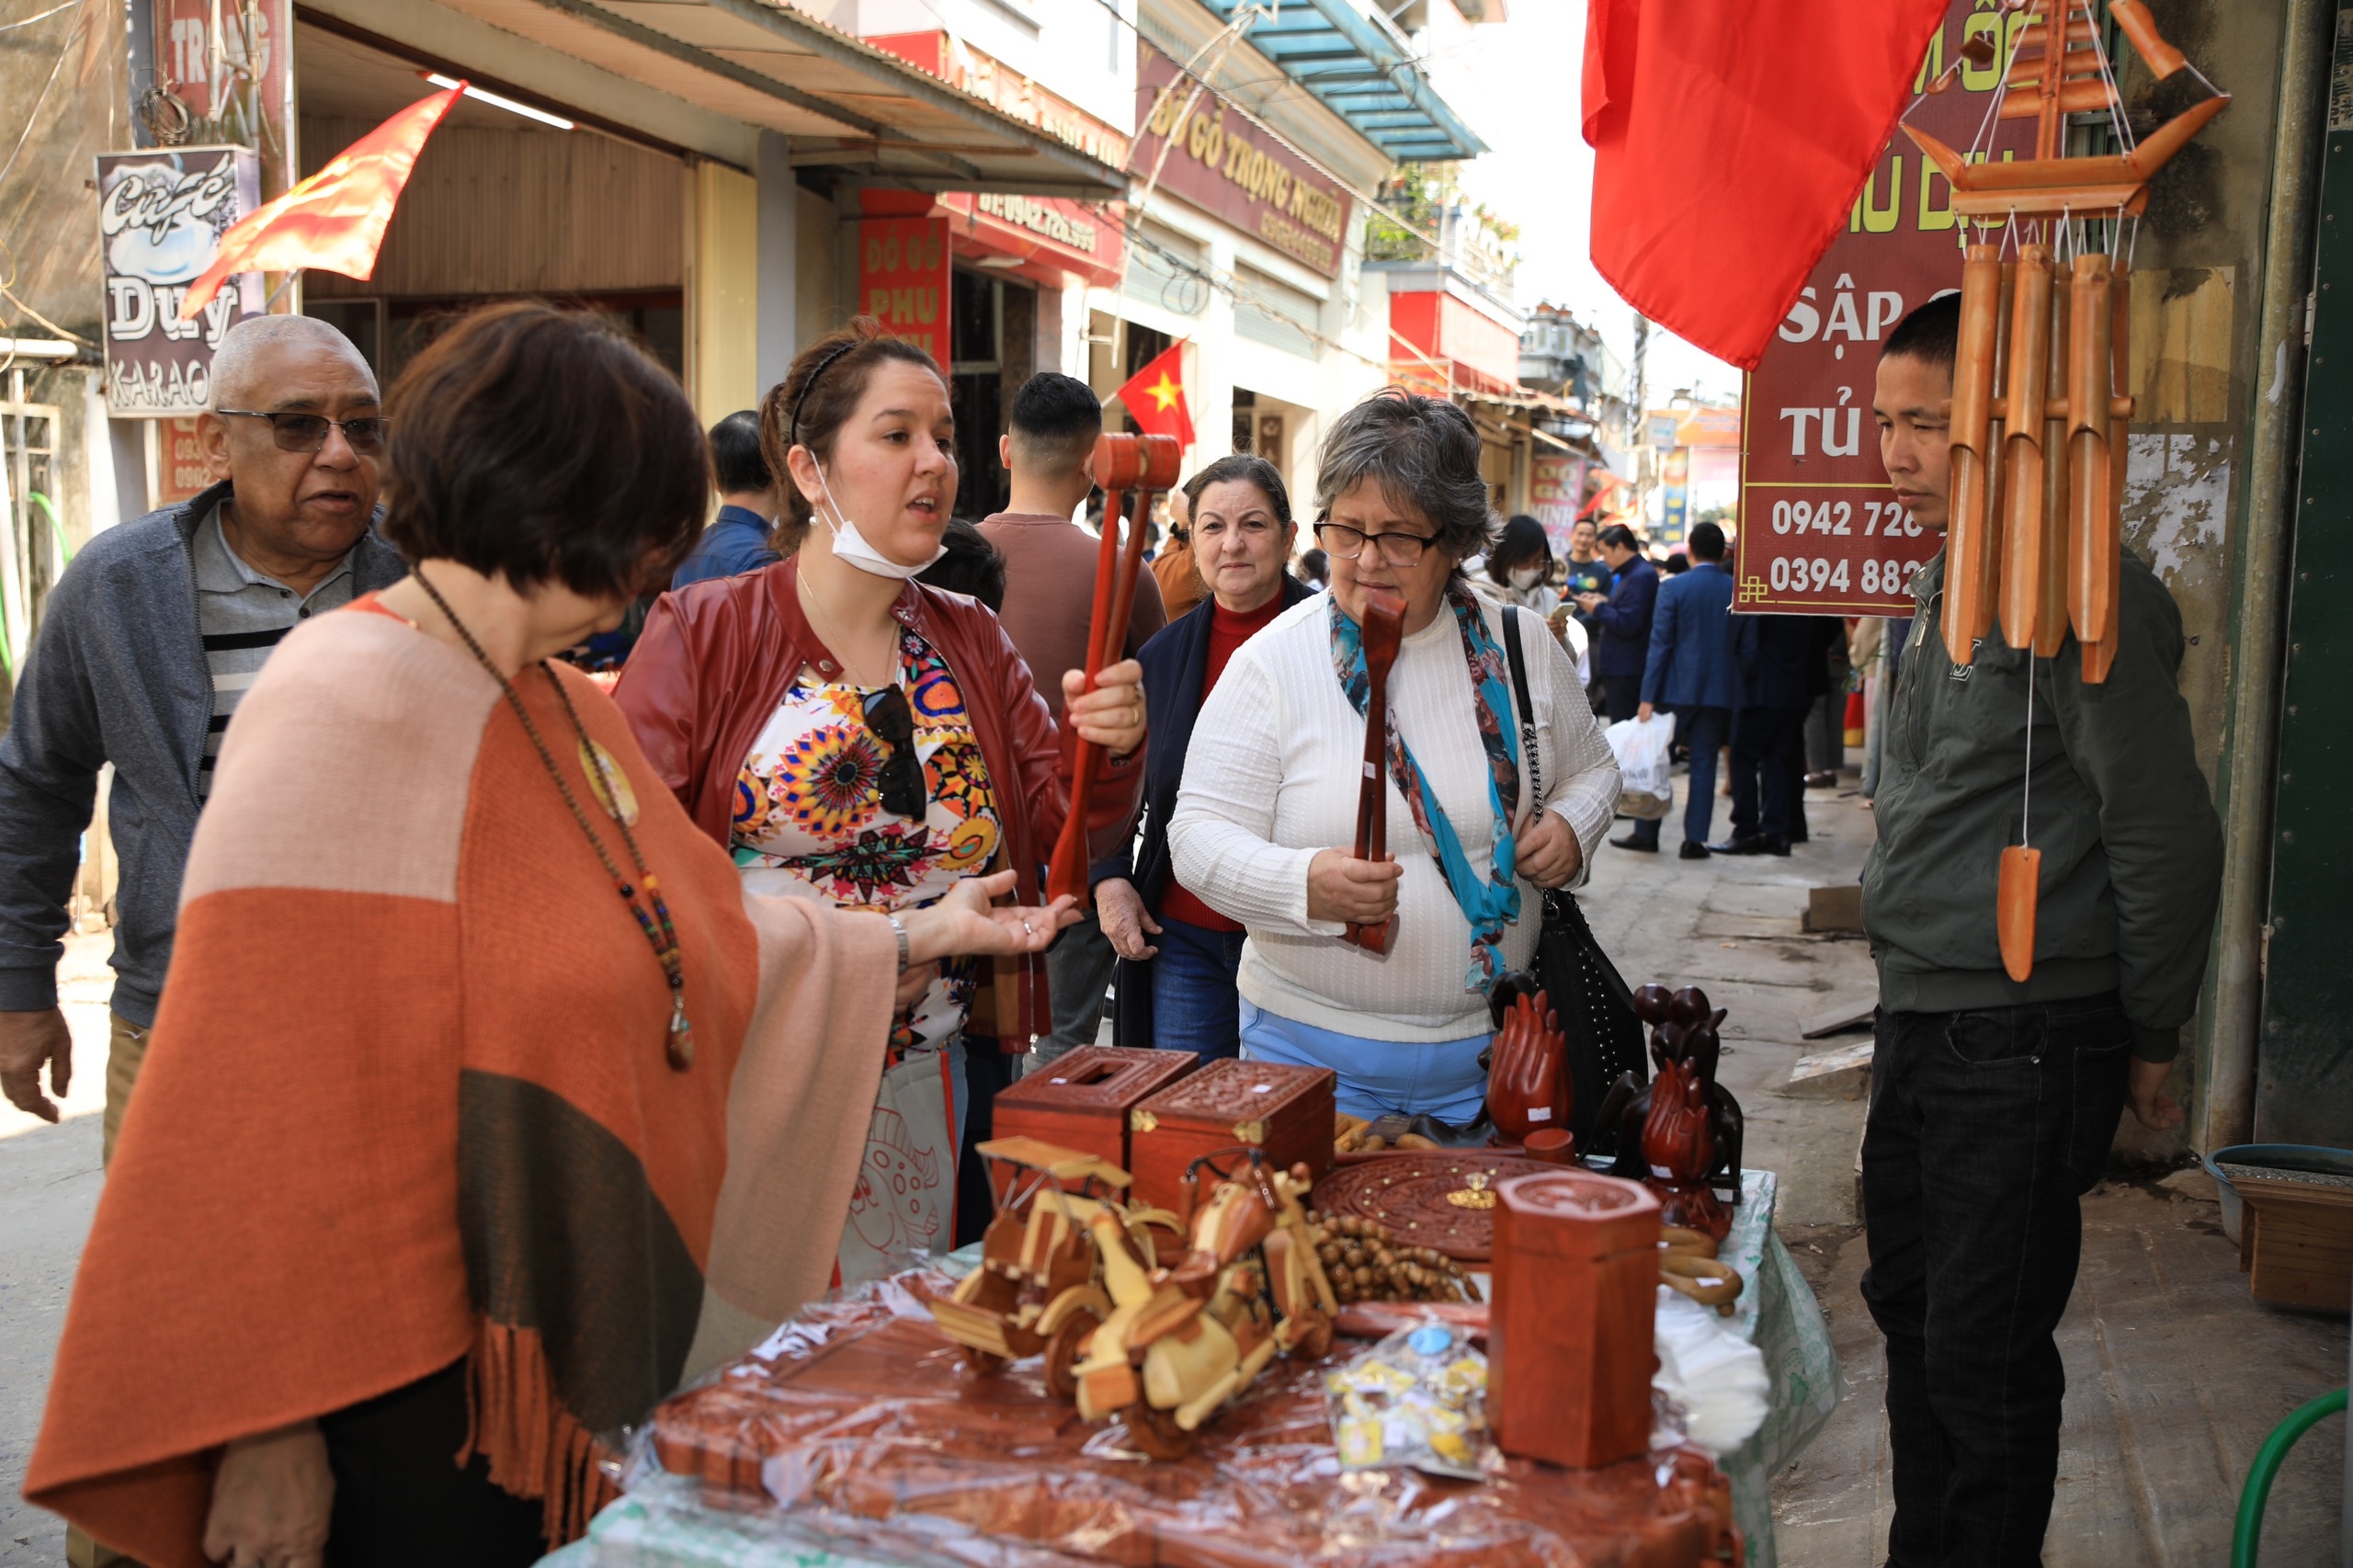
<point>793,433</point>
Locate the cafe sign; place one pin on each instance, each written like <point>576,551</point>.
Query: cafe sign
<point>161,215</point>
<point>1232,167</point>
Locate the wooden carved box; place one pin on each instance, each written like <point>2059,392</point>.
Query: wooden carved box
<point>1081,1101</point>
<point>1570,1330</point>
<point>1285,1111</point>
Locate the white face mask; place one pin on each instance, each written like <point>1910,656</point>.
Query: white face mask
<point>1526,577</point>
<point>850,547</point>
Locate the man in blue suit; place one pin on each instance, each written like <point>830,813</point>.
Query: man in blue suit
<point>1689,671</point>
<point>1782,670</point>
<point>1624,618</point>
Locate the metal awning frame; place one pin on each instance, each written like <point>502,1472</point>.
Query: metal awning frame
<point>1364,75</point>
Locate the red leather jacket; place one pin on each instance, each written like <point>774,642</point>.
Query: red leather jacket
<point>717,656</point>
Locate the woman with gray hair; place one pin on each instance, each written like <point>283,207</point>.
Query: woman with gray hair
<point>1270,783</point>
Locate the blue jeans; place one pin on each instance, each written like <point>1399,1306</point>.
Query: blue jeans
<point>1704,730</point>
<point>1194,1005</point>
<point>1442,1078</point>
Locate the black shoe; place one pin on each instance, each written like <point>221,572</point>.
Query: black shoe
<point>1739,843</point>
<point>1648,846</point>
<point>1772,847</point>
<point>1821,780</point>
<point>1694,851</point>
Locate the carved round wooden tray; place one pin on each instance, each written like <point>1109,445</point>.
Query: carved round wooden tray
<point>1412,1194</point>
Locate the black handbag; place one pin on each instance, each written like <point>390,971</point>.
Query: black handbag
<point>1582,988</point>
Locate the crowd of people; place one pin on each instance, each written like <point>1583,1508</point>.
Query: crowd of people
<point>495,1046</point>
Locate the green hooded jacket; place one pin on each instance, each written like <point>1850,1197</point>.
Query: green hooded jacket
<point>2132,849</point>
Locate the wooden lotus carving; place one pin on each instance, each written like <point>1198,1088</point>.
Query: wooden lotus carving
<point>1528,1081</point>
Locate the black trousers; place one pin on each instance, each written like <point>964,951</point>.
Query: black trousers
<point>401,1499</point>
<point>1767,772</point>
<point>1622,694</point>
<point>1985,1130</point>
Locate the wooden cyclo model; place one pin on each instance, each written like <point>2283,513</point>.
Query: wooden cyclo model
<point>1123,462</point>
<point>1182,1341</point>
<point>1040,1286</point>
<point>2040,391</point>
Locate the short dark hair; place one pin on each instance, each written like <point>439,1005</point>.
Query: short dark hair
<point>1931,333</point>
<point>1523,540</point>
<point>736,454</point>
<point>1707,542</point>
<point>1054,421</point>
<point>816,398</point>
<point>1317,565</point>
<point>1246,468</point>
<point>1618,535</point>
<point>971,566</point>
<point>540,445</point>
<point>1424,453</point>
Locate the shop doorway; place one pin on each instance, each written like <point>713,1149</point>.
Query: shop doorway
<point>992,335</point>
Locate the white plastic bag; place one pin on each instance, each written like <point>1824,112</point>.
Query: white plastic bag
<point>1645,790</point>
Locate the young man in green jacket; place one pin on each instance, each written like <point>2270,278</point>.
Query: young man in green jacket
<point>1994,1102</point>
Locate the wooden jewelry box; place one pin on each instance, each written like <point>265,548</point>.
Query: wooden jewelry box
<point>1285,1111</point>
<point>1082,1100</point>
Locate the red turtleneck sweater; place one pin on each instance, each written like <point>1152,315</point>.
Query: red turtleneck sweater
<point>1228,631</point>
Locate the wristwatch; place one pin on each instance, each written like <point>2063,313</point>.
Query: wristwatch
<point>900,932</point>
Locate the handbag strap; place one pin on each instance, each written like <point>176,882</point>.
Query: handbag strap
<point>1519,660</point>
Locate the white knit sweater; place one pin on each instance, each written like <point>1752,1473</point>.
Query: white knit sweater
<point>1270,778</point>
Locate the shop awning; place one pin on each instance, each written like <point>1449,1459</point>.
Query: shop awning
<point>1365,72</point>
<point>843,103</point>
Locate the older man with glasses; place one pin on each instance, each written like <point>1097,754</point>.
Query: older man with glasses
<point>145,646</point>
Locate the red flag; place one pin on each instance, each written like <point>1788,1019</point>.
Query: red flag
<point>333,220</point>
<point>1154,396</point>
<point>1730,138</point>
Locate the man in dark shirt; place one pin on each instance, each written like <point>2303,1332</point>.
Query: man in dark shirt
<point>1624,619</point>
<point>1994,1100</point>
<point>737,539</point>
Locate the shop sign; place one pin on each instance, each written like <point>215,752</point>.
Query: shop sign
<point>1228,166</point>
<point>1007,91</point>
<point>1675,492</point>
<point>228,64</point>
<point>1556,489</point>
<point>902,278</point>
<point>1821,532</point>
<point>1050,230</point>
<point>182,472</point>
<point>161,214</point>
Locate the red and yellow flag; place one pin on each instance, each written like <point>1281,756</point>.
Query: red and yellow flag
<point>1154,396</point>
<point>334,220</point>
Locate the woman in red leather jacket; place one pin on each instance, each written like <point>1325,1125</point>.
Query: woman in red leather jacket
<point>852,735</point>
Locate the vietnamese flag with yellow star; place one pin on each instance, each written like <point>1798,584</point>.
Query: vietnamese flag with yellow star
<point>1154,396</point>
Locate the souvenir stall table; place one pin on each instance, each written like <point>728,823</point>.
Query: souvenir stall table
<point>1281,1472</point>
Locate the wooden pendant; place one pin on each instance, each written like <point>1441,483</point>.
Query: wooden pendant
<point>2015,899</point>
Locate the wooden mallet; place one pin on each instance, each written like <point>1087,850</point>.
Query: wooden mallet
<point>1383,628</point>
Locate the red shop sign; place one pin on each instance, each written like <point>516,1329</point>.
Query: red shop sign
<point>902,265</point>
<point>1820,531</point>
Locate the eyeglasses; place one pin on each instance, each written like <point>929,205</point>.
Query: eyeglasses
<point>308,432</point>
<point>893,723</point>
<point>1345,543</point>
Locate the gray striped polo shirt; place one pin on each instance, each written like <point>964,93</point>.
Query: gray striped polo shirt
<point>244,615</point>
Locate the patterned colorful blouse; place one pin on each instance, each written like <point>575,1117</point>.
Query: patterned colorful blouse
<point>810,822</point>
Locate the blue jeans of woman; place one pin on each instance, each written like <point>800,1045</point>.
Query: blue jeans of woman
<point>1439,1078</point>
<point>1194,1005</point>
<point>1985,1130</point>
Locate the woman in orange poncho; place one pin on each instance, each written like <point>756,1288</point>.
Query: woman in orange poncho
<point>423,1189</point>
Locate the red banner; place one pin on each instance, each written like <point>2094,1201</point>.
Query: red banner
<point>902,269</point>
<point>1820,530</point>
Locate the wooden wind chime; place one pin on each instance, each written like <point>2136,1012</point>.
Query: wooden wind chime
<point>1123,462</point>
<point>2041,398</point>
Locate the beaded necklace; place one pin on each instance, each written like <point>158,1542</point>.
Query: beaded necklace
<point>679,1043</point>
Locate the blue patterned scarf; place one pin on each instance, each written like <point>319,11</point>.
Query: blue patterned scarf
<point>1488,902</point>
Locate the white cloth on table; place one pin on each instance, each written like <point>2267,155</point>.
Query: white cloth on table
<point>1271,779</point>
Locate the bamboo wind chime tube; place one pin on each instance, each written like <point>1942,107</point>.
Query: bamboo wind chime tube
<point>2051,608</point>
<point>1989,559</point>
<point>1969,517</point>
<point>2022,454</point>
<point>2093,515</point>
<point>2099,653</point>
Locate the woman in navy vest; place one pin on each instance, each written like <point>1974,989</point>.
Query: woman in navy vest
<point>1179,994</point>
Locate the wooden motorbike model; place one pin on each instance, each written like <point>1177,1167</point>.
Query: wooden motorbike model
<point>1181,1341</point>
<point>2041,384</point>
<point>1040,1288</point>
